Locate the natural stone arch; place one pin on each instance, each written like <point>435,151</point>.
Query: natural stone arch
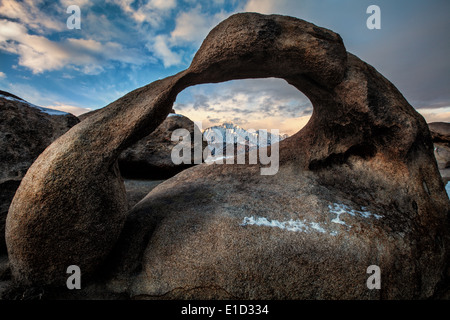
<point>71,205</point>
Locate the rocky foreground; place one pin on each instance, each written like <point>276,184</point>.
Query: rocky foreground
<point>358,186</point>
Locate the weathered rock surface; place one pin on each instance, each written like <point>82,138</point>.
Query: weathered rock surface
<point>440,134</point>
<point>25,131</point>
<point>358,186</point>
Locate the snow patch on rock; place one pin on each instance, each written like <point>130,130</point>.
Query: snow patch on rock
<point>291,225</point>
<point>339,209</point>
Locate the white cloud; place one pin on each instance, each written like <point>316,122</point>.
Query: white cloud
<point>40,54</point>
<point>29,13</point>
<point>162,51</point>
<point>191,28</point>
<point>2,75</point>
<point>35,52</point>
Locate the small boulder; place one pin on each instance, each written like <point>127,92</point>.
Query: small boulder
<point>150,157</point>
<point>440,134</point>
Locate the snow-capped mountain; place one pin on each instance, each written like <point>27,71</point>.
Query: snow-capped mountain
<point>231,134</point>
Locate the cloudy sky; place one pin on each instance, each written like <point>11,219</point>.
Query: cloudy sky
<point>125,44</point>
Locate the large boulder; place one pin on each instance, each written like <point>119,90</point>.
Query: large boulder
<point>358,186</point>
<point>440,134</point>
<point>25,131</point>
<point>151,157</point>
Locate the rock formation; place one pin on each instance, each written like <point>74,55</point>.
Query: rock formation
<point>25,131</point>
<point>358,186</point>
<point>151,157</point>
<point>440,134</point>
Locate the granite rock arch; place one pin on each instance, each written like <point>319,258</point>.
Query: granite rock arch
<point>71,206</point>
